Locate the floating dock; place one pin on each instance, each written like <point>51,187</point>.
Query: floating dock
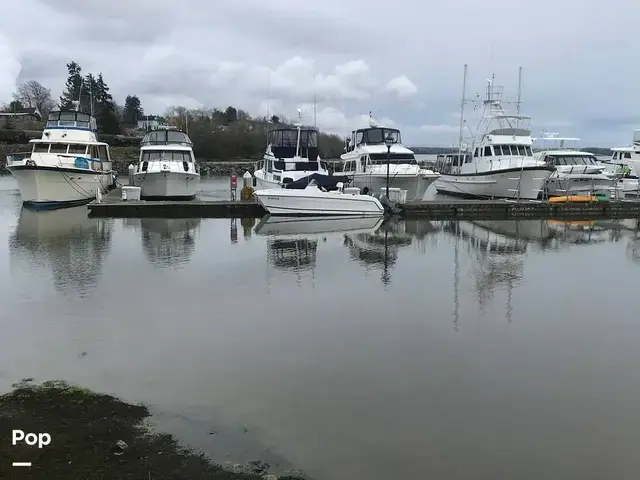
<point>112,205</point>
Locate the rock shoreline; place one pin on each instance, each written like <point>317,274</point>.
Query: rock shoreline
<point>96,436</point>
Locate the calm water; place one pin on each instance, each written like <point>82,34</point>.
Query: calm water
<point>458,351</point>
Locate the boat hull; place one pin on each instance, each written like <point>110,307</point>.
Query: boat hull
<point>524,183</point>
<point>578,185</point>
<point>283,201</point>
<point>51,187</point>
<point>167,185</point>
<point>415,185</point>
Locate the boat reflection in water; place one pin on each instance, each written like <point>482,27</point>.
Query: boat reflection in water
<point>73,245</point>
<point>167,242</point>
<point>499,249</point>
<point>292,242</point>
<point>379,248</point>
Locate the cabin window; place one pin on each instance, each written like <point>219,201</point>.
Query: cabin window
<point>40,147</point>
<point>475,152</point>
<point>269,166</point>
<point>498,150</point>
<point>77,149</point>
<point>102,151</point>
<point>278,166</point>
<point>615,155</point>
<point>359,136</point>
<point>627,154</point>
<point>468,159</point>
<point>58,148</point>
<point>487,151</point>
<point>528,150</point>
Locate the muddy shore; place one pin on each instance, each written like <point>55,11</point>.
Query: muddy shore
<point>96,436</point>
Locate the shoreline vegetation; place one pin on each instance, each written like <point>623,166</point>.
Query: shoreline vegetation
<point>96,436</point>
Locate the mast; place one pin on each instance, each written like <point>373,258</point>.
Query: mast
<point>519,90</point>
<point>464,88</point>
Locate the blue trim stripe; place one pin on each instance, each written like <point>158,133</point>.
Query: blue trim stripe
<point>86,129</point>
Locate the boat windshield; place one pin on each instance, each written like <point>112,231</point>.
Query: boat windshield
<point>166,137</point>
<point>377,136</point>
<point>573,160</point>
<point>166,155</point>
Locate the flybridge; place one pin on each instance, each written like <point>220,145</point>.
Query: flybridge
<point>71,120</point>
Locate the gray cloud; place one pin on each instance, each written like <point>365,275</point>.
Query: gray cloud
<point>355,56</point>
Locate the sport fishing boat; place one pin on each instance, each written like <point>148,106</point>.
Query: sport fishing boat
<point>318,195</point>
<point>576,172</point>
<point>292,154</point>
<point>67,166</point>
<point>500,163</point>
<point>367,153</point>
<point>167,168</point>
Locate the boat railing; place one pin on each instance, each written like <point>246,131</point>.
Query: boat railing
<point>69,124</point>
<point>17,157</point>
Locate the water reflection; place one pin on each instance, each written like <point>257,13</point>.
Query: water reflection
<point>292,242</point>
<point>378,249</point>
<point>167,242</point>
<point>73,245</point>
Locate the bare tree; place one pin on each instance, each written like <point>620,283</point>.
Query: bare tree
<point>33,94</point>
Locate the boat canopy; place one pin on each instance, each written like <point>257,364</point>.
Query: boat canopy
<point>166,137</point>
<point>329,182</point>
<point>70,119</point>
<point>283,142</point>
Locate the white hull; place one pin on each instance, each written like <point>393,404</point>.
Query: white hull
<point>312,201</point>
<point>52,186</point>
<point>415,185</point>
<point>526,183</point>
<point>578,184</point>
<point>167,184</point>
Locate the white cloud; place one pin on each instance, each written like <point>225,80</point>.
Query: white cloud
<point>177,53</point>
<point>401,86</point>
<point>9,70</point>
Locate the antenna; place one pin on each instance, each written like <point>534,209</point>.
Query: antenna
<point>519,90</point>
<point>90,98</point>
<point>314,102</point>
<point>464,89</point>
<point>268,104</point>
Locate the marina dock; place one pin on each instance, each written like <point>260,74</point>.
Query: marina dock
<point>112,205</point>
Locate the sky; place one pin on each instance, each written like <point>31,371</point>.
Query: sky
<point>402,60</point>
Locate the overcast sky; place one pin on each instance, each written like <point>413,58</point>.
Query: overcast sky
<point>401,59</point>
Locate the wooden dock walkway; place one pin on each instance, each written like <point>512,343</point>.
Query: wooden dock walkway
<point>112,205</point>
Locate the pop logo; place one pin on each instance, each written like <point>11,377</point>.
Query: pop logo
<point>31,439</point>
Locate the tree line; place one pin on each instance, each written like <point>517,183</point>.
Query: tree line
<point>217,134</point>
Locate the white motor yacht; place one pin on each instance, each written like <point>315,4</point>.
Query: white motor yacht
<point>576,172</point>
<point>292,154</point>
<point>319,196</point>
<point>167,168</point>
<point>67,166</point>
<point>500,163</point>
<point>624,167</point>
<point>365,161</point>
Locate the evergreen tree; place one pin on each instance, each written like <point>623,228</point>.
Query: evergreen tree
<point>88,95</point>
<point>72,87</point>
<point>106,115</point>
<point>132,110</point>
